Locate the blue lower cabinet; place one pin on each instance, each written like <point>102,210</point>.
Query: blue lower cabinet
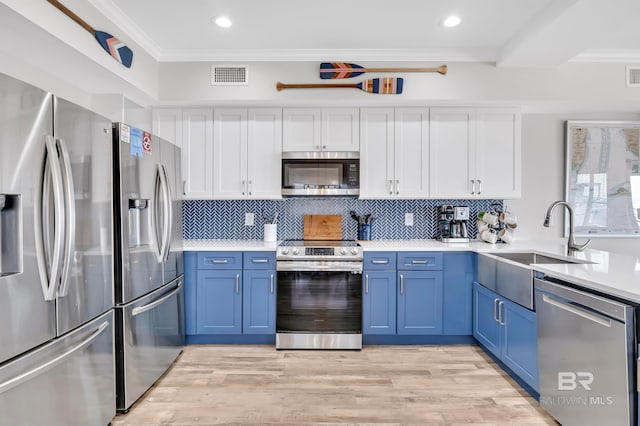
<point>379,302</point>
<point>520,342</point>
<point>419,302</point>
<point>459,271</point>
<point>259,302</point>
<point>509,331</point>
<point>219,302</point>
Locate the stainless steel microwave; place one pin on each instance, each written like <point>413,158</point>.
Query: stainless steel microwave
<point>316,174</point>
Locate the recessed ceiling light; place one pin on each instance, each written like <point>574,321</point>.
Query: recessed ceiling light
<point>451,21</point>
<point>223,22</point>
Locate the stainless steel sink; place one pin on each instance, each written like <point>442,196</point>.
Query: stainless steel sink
<point>531,258</point>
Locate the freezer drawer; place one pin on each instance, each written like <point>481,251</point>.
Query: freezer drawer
<point>150,335</point>
<point>70,381</point>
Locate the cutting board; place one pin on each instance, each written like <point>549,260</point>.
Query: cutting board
<point>322,227</point>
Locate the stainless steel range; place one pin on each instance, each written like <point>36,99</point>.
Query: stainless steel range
<point>319,300</point>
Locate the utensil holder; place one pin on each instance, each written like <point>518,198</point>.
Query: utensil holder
<point>364,231</point>
<point>270,232</point>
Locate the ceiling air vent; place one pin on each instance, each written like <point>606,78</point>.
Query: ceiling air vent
<point>229,76</point>
<point>633,76</point>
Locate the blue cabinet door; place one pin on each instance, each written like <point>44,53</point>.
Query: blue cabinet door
<point>520,342</point>
<point>458,276</point>
<point>259,302</point>
<point>419,302</point>
<point>219,302</point>
<point>486,328</point>
<point>379,302</point>
<point>190,259</point>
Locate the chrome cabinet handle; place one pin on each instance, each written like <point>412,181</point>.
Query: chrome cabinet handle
<point>184,187</point>
<point>397,186</point>
<point>380,262</point>
<point>401,284</point>
<point>479,187</point>
<point>495,309</point>
<point>141,309</point>
<point>500,312</point>
<point>473,186</point>
<point>18,380</point>
<point>390,186</point>
<point>244,187</point>
<point>271,284</point>
<point>259,260</point>
<point>237,283</point>
<point>250,186</point>
<point>324,147</point>
<point>366,284</point>
<point>219,261</point>
<point>419,262</point>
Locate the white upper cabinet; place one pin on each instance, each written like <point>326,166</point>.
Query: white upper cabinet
<point>197,153</point>
<point>394,153</point>
<point>498,153</point>
<point>320,129</point>
<point>264,154</point>
<point>167,124</point>
<point>247,153</point>
<point>475,153</point>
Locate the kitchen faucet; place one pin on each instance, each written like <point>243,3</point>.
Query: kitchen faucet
<point>572,247</point>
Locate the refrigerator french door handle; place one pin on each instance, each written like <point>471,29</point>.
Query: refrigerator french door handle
<point>169,215</point>
<point>70,217</point>
<point>166,214</point>
<point>142,309</point>
<point>49,272</point>
<point>156,207</point>
<point>22,378</point>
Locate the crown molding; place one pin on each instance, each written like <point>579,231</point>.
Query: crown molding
<point>128,26</point>
<point>609,56</point>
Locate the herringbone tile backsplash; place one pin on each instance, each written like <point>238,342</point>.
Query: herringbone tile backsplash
<point>222,219</point>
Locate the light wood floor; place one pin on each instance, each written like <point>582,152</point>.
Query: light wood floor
<point>422,385</point>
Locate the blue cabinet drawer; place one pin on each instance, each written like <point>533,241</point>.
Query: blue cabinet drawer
<point>380,261</point>
<point>219,260</point>
<point>419,261</point>
<point>259,260</point>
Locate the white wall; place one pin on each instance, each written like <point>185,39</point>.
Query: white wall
<point>571,87</point>
<point>543,178</point>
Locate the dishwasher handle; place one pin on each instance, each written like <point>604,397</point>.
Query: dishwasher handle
<point>576,310</point>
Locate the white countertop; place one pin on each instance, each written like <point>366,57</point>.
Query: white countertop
<point>610,273</point>
<point>229,245</point>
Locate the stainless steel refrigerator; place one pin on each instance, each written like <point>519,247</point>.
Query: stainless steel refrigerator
<point>56,263</point>
<point>149,291</point>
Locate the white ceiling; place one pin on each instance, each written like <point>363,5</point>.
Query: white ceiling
<point>508,32</point>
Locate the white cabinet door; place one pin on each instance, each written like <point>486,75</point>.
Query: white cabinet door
<point>411,153</point>
<point>167,124</point>
<point>197,153</point>
<point>376,153</point>
<point>301,129</point>
<point>498,153</point>
<point>340,129</point>
<point>264,154</point>
<point>230,153</point>
<point>451,154</point>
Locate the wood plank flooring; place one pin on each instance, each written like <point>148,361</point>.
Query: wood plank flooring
<point>421,385</point>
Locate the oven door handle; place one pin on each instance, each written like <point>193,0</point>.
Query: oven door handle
<point>288,266</point>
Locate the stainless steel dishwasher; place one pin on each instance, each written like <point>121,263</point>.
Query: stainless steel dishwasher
<point>586,347</point>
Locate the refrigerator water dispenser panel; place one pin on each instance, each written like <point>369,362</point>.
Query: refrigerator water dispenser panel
<point>10,235</point>
<point>139,222</point>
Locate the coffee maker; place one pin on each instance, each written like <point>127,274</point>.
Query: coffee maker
<point>452,223</point>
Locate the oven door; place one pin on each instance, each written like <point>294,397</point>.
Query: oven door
<point>320,301</point>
